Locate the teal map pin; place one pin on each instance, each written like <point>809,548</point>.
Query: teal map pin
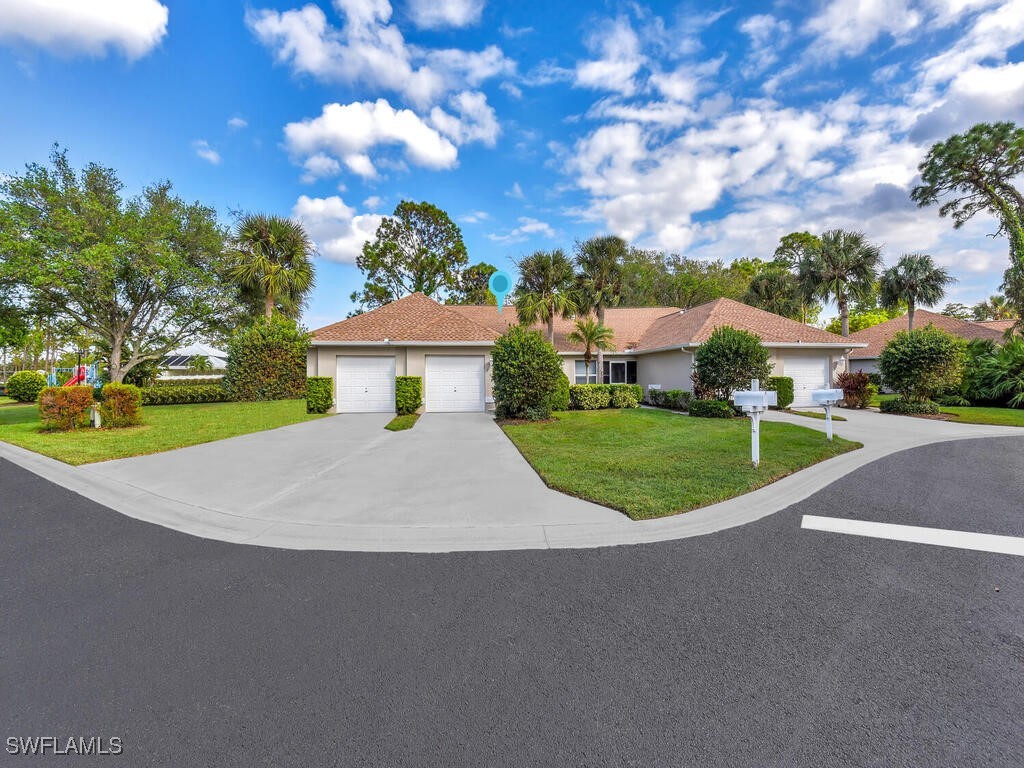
<point>500,285</point>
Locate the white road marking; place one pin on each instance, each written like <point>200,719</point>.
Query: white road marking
<point>982,542</point>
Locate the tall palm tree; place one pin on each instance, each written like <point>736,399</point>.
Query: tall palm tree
<point>600,261</point>
<point>915,280</point>
<point>777,290</point>
<point>273,254</point>
<point>546,289</point>
<point>592,335</point>
<point>844,266</point>
<point>995,308</point>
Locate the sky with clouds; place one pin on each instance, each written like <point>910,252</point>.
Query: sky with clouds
<point>705,129</point>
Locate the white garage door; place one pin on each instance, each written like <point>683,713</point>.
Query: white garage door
<point>455,383</point>
<point>366,384</point>
<point>808,374</point>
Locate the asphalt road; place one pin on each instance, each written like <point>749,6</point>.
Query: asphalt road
<point>764,645</point>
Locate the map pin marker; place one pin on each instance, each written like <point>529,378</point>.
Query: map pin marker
<point>500,285</point>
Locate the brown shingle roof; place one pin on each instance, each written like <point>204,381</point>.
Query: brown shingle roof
<point>999,325</point>
<point>413,318</point>
<point>877,336</point>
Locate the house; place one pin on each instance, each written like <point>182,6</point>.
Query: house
<point>179,362</point>
<point>449,347</point>
<point>1000,325</point>
<point>876,337</point>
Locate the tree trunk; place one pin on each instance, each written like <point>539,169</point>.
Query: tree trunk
<point>600,352</point>
<point>551,328</point>
<point>910,315</point>
<point>116,373</point>
<point>844,315</point>
<point>268,305</point>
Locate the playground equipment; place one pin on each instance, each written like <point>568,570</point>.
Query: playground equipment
<point>80,374</point>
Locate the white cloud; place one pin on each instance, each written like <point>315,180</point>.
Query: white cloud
<point>619,59</point>
<point>372,203</point>
<point>768,36</point>
<point>237,123</point>
<point>436,14</point>
<point>475,217</point>
<point>848,27</point>
<point>206,152</point>
<point>371,51</point>
<point>348,132</point>
<point>476,120</point>
<point>515,191</point>
<point>527,229</point>
<point>337,230</point>
<point>318,166</point>
<point>134,27</point>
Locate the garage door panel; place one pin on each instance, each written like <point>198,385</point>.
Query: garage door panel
<point>454,383</point>
<point>808,374</point>
<point>366,384</point>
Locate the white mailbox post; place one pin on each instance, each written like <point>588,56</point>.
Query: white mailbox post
<point>827,398</point>
<point>754,402</point>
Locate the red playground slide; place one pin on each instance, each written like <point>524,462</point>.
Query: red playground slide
<point>78,378</point>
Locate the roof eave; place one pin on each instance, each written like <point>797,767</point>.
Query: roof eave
<point>401,343</point>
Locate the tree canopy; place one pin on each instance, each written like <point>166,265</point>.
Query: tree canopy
<point>273,259</point>
<point>472,286</point>
<point>843,267</point>
<point>546,289</point>
<point>913,280</point>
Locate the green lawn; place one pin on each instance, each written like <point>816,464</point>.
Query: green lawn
<point>7,400</point>
<point>974,414</point>
<point>651,463</point>
<point>399,423</point>
<point>816,415</point>
<point>166,427</point>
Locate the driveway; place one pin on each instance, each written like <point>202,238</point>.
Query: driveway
<point>764,645</point>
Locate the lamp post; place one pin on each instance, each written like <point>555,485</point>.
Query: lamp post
<point>754,402</point>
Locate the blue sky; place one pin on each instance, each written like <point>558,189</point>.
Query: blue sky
<point>706,129</point>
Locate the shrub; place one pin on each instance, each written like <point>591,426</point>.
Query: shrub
<point>656,397</point>
<point>319,394</point>
<point>408,394</point>
<point>589,397</point>
<point>634,389</point>
<point>677,399</point>
<point>121,406</point>
<point>142,374</point>
<point>624,398</point>
<point>922,362</point>
<point>25,386</point>
<point>209,393</point>
<point>876,379</point>
<point>856,386</point>
<point>783,388</point>
<point>909,407</point>
<point>525,370</point>
<point>729,359</point>
<point>711,409</point>
<point>1001,374</point>
<point>267,361</point>
<point>186,381</point>
<point>64,408</point>
<point>560,399</point>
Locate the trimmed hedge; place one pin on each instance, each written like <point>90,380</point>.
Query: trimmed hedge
<point>560,399</point>
<point>525,371</point>
<point>186,381</point>
<point>25,386</point>
<point>319,394</point>
<point>711,409</point>
<point>210,393</point>
<point>64,408</point>
<point>589,397</point>
<point>408,394</point>
<point>909,407</point>
<point>783,387</point>
<point>673,399</point>
<point>267,361</point>
<point>121,406</point>
<point>624,398</point>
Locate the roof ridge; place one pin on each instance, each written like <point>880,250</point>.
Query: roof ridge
<point>369,312</point>
<point>450,309</point>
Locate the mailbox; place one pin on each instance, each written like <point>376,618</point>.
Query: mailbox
<point>826,396</point>
<point>755,399</point>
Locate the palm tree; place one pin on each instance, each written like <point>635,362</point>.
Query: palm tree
<point>273,255</point>
<point>777,290</point>
<point>844,266</point>
<point>545,289</point>
<point>915,280</point>
<point>995,308</point>
<point>592,335</point>
<point>600,260</point>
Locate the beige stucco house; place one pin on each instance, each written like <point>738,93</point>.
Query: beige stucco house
<point>449,347</point>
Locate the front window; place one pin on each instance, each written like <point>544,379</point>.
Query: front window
<point>585,375</point>
<point>619,372</point>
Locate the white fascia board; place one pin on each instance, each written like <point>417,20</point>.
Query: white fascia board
<point>624,353</point>
<point>670,348</point>
<point>812,345</point>
<point>382,343</point>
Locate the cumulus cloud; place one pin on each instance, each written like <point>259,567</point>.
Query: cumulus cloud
<point>339,233</point>
<point>133,27</point>
<point>206,152</point>
<point>476,120</point>
<point>527,229</point>
<point>619,58</point>
<point>768,36</point>
<point>237,123</point>
<point>436,14</point>
<point>848,27</point>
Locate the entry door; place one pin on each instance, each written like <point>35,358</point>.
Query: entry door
<point>455,384</point>
<point>366,384</point>
<point>808,374</point>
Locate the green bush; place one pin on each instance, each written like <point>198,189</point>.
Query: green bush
<point>121,406</point>
<point>728,360</point>
<point>857,388</point>
<point>210,393</point>
<point>909,407</point>
<point>25,386</point>
<point>560,400</point>
<point>319,394</point>
<point>673,399</point>
<point>711,409</point>
<point>783,387</point>
<point>408,394</point>
<point>64,408</point>
<point>656,397</point>
<point>185,381</point>
<point>624,398</point>
<point>267,361</point>
<point>876,379</point>
<point>1000,374</point>
<point>525,370</point>
<point>920,363</point>
<point>634,389</point>
<point>589,397</point>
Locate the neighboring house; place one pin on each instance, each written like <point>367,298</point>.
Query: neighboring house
<point>877,336</point>
<point>178,362</point>
<point>999,325</point>
<point>449,347</point>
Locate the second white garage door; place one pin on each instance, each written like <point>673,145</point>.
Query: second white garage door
<point>454,384</point>
<point>808,374</point>
<point>366,384</point>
